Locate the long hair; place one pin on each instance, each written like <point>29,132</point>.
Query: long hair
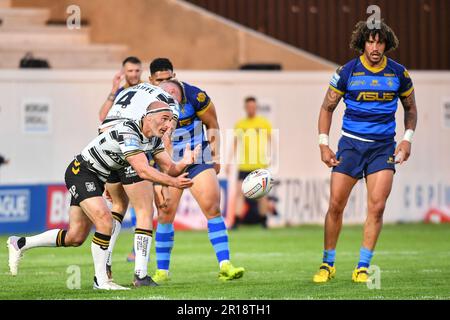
<point>362,33</point>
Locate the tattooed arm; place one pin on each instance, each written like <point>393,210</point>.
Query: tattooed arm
<point>410,107</point>
<point>329,104</point>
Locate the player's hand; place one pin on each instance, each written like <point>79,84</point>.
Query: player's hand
<point>191,156</point>
<point>328,156</point>
<point>118,78</point>
<point>163,197</point>
<point>182,182</point>
<point>402,152</point>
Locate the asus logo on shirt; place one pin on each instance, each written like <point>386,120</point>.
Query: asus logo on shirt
<point>376,96</point>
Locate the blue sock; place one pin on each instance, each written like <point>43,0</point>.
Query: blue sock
<point>133,217</point>
<point>164,243</point>
<point>218,235</point>
<point>329,256</point>
<point>365,255</point>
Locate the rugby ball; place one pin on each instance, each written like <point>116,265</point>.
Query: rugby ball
<point>257,184</point>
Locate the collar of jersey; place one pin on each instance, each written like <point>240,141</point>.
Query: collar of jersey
<point>366,65</point>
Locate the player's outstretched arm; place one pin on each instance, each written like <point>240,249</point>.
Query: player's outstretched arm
<point>329,104</point>
<point>139,162</point>
<point>403,149</point>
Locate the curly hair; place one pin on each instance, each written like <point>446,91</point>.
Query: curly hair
<point>362,33</point>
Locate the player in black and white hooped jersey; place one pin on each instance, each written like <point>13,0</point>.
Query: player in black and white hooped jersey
<point>125,185</point>
<point>118,147</point>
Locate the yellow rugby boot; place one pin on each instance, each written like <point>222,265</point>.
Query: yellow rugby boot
<point>229,272</point>
<point>360,275</point>
<point>161,276</point>
<point>325,273</point>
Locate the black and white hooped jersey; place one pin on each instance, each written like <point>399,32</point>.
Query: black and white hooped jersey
<point>132,103</point>
<point>109,150</point>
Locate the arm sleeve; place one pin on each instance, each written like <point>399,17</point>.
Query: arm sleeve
<point>158,148</point>
<point>406,85</point>
<point>202,102</point>
<point>339,80</point>
<point>130,144</point>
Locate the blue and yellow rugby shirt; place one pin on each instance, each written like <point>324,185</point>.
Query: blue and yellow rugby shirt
<point>371,96</point>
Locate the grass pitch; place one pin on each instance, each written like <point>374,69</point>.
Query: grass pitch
<point>414,260</point>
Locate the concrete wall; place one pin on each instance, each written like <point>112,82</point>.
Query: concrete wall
<point>192,38</point>
<point>290,99</point>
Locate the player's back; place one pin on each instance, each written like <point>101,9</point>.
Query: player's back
<point>132,103</point>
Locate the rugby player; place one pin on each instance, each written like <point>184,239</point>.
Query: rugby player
<point>122,145</point>
<point>125,184</point>
<point>197,110</point>
<point>371,85</point>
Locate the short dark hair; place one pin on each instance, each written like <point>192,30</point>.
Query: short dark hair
<point>362,33</point>
<point>250,99</point>
<point>160,64</point>
<point>133,60</point>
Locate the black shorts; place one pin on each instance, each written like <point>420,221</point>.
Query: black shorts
<point>242,175</point>
<point>125,175</point>
<point>82,183</point>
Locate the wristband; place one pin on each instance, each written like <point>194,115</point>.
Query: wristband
<point>408,135</point>
<point>323,139</point>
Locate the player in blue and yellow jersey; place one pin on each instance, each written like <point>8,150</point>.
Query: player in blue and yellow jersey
<point>197,111</point>
<point>371,85</point>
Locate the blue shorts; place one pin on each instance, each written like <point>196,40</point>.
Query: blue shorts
<point>195,169</point>
<point>358,158</point>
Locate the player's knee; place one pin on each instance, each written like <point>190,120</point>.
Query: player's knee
<point>74,240</point>
<point>165,216</point>
<point>103,220</point>
<point>336,208</point>
<point>377,208</point>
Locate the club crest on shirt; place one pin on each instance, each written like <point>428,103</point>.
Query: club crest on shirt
<point>201,97</point>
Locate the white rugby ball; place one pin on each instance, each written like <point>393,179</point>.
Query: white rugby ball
<point>257,184</point>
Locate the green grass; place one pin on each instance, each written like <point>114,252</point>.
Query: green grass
<point>414,261</point>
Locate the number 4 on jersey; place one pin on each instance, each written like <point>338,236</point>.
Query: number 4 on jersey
<point>125,100</point>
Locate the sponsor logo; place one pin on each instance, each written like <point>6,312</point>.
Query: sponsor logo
<point>406,74</point>
<point>374,83</point>
<point>359,74</point>
<point>201,97</point>
<point>131,142</point>
<point>73,191</point>
<point>90,186</point>
<point>376,96</point>
<point>356,83</point>
<point>334,80</point>
<point>389,75</point>
<point>390,160</point>
<point>76,167</point>
<point>254,190</point>
<point>15,205</point>
<point>390,83</point>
